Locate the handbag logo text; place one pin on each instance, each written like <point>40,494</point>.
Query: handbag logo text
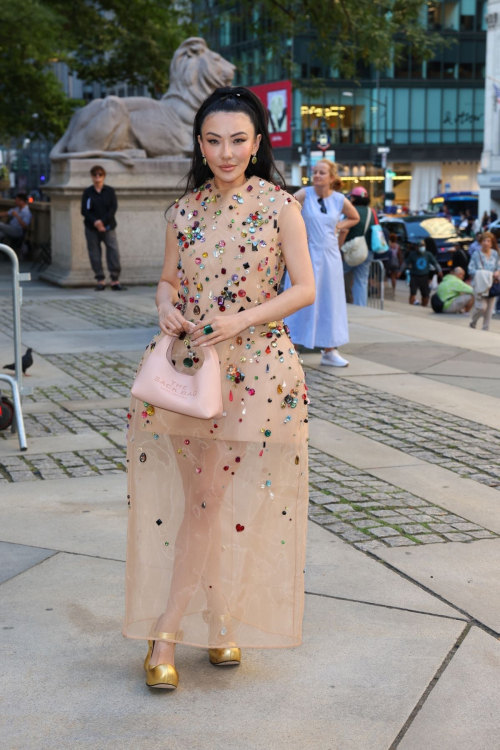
<point>177,389</point>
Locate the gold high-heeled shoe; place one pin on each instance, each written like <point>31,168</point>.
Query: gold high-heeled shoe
<point>229,655</point>
<point>223,657</point>
<point>178,636</point>
<point>162,676</point>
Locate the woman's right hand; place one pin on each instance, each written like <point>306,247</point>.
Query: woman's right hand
<point>172,321</point>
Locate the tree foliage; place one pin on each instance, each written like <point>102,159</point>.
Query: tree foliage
<point>109,41</point>
<point>340,34</point>
<point>31,97</point>
<point>131,41</point>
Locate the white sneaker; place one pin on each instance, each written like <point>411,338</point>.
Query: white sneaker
<point>333,359</point>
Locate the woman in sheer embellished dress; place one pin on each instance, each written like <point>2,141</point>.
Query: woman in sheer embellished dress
<point>218,507</point>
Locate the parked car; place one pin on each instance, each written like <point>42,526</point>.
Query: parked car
<point>412,229</point>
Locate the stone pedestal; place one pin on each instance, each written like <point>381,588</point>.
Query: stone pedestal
<point>144,191</point>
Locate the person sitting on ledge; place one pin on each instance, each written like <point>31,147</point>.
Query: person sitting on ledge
<point>455,295</point>
<point>19,219</point>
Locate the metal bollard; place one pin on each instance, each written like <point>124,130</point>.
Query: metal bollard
<point>16,381</point>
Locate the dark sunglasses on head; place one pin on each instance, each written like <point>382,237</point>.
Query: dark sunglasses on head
<point>99,174</point>
<point>322,206</point>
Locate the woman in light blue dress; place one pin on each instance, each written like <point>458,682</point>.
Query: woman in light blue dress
<point>324,323</point>
<point>486,259</point>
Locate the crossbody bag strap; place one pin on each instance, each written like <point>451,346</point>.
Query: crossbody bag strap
<point>367,222</point>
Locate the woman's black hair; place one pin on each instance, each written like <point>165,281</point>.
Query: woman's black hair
<point>234,99</point>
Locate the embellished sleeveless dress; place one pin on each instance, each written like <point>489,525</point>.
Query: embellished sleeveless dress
<point>218,508</point>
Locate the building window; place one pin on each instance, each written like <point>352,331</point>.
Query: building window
<point>466,70</point>
<point>434,15</point>
<point>402,67</point>
<point>449,70</point>
<point>346,122</point>
<point>434,69</point>
<point>450,16</point>
<point>416,67</point>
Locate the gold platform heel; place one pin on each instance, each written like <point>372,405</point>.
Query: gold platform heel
<point>162,676</point>
<point>171,677</point>
<point>229,655</point>
<point>225,657</point>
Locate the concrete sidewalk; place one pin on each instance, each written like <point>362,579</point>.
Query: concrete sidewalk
<point>402,590</point>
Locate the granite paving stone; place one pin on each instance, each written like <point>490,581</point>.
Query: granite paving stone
<point>429,538</point>
<point>398,541</point>
<point>458,537</point>
<point>413,528</point>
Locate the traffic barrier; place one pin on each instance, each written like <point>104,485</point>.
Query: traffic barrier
<point>376,280</point>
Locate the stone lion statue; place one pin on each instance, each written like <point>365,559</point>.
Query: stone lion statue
<point>136,126</point>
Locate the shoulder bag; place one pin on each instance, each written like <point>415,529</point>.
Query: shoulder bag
<point>379,242</point>
<point>483,282</point>
<point>355,251</point>
<point>495,287</point>
<point>196,395</point>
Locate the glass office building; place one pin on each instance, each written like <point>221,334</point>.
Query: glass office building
<point>430,114</point>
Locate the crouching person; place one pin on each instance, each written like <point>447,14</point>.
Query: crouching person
<point>453,295</point>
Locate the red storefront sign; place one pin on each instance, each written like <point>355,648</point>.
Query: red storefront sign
<point>277,99</point>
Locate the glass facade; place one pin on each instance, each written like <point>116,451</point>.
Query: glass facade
<point>400,115</point>
<point>434,104</point>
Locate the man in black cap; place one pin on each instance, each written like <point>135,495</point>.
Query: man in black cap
<point>99,207</point>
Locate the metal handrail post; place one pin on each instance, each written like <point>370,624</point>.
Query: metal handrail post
<point>17,391</point>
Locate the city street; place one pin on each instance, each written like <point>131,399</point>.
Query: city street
<point>402,620</point>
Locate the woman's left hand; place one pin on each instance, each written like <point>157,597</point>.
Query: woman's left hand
<point>224,327</point>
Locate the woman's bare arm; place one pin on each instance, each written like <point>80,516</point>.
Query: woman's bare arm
<point>171,320</point>
<point>300,195</point>
<point>351,219</point>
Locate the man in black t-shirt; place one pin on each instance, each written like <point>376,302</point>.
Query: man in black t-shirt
<point>421,262</point>
<point>99,207</point>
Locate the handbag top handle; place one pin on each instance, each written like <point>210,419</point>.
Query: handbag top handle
<point>168,356</point>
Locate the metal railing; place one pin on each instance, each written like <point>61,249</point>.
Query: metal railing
<point>16,381</point>
<point>376,280</point>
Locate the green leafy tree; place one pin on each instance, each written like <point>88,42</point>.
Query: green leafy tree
<point>132,41</point>
<point>108,41</point>
<point>32,100</point>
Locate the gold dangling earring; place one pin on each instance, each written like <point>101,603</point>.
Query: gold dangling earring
<point>254,159</point>
<point>204,161</point>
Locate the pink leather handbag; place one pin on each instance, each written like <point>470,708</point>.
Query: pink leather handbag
<point>196,395</point>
